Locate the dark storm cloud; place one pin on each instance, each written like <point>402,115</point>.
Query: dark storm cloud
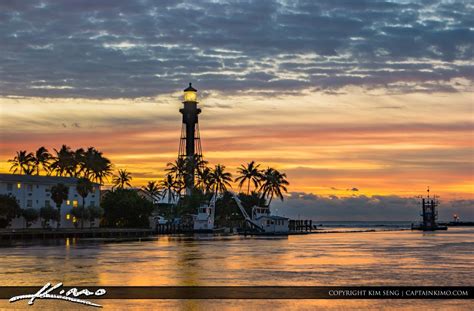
<point>362,208</point>
<point>142,48</point>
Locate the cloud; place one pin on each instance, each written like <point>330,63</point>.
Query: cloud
<point>365,208</point>
<point>102,49</point>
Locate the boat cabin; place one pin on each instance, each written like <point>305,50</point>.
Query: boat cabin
<point>204,219</point>
<point>273,224</point>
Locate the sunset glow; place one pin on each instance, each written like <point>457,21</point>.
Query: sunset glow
<point>327,144</point>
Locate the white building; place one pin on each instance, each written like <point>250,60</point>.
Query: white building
<point>35,192</point>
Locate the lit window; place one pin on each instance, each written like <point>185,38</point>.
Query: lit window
<point>68,202</point>
<point>74,219</point>
<point>74,203</point>
<point>68,216</point>
<point>18,185</point>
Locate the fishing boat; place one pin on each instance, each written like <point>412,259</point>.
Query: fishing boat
<point>262,222</point>
<point>204,221</point>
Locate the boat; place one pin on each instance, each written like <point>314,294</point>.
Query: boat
<point>262,222</point>
<point>204,221</point>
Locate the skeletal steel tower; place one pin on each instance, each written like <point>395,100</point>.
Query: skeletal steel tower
<point>190,142</point>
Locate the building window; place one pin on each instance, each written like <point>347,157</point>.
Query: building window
<point>47,203</point>
<point>18,185</point>
<point>29,203</point>
<point>92,203</point>
<point>29,188</point>
<point>9,187</point>
<point>74,203</point>
<point>68,202</point>
<point>68,216</point>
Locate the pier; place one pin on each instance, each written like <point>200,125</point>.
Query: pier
<point>300,225</point>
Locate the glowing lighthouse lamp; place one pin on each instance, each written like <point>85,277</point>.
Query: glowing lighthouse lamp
<point>190,94</point>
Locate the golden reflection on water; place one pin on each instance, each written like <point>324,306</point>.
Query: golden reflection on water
<point>382,258</point>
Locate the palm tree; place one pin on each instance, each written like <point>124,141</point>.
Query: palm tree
<point>41,158</point>
<point>220,179</point>
<point>274,183</point>
<point>30,169</point>
<point>152,190</point>
<point>193,165</point>
<point>59,193</point>
<point>83,187</point>
<point>168,184</point>
<point>249,173</point>
<point>64,163</point>
<point>196,163</point>
<point>177,168</point>
<point>95,166</point>
<point>122,179</point>
<point>78,167</point>
<point>204,179</point>
<point>22,162</point>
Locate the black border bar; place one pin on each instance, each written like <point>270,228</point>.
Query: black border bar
<point>260,292</point>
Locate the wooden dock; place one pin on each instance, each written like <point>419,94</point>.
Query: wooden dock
<point>295,226</point>
<point>172,229</point>
<point>300,225</point>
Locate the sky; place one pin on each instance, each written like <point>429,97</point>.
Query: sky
<point>363,104</point>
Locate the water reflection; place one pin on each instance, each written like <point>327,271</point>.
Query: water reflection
<point>375,258</point>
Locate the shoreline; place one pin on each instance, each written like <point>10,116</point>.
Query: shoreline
<point>144,233</point>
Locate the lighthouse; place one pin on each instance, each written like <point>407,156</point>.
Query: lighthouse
<point>190,142</point>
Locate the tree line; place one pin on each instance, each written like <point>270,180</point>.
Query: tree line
<point>89,166</point>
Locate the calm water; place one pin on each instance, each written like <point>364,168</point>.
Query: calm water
<point>371,258</point>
